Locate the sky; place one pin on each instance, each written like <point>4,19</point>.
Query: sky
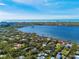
<point>39,9</point>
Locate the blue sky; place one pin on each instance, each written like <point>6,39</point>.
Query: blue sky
<point>39,9</point>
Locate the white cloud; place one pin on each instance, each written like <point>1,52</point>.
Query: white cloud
<point>36,3</point>
<point>5,15</point>
<point>2,4</point>
<point>40,4</point>
<point>29,2</point>
<point>24,1</point>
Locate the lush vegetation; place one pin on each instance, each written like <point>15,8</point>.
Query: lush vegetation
<point>15,45</point>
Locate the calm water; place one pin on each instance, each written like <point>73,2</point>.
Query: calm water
<point>61,32</point>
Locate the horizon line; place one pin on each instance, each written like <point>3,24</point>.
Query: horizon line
<point>40,20</point>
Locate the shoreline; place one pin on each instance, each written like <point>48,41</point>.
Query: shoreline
<point>18,43</point>
<point>53,37</point>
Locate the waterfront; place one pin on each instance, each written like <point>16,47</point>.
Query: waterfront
<point>62,32</point>
<point>16,44</point>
